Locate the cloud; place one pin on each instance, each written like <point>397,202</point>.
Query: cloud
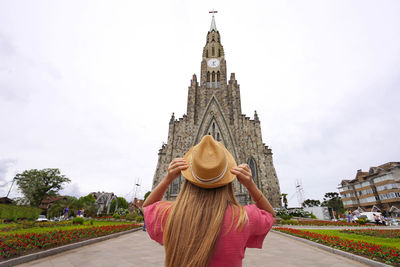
<point>71,190</point>
<point>7,172</point>
<point>6,166</point>
<point>93,96</point>
<point>7,49</point>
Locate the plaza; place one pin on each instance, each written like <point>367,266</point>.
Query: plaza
<point>137,249</point>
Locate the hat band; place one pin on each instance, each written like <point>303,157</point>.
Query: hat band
<point>210,180</point>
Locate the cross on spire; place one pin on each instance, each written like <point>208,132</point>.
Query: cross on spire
<point>213,26</point>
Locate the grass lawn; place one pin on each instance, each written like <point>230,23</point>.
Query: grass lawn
<point>47,229</point>
<point>389,242</point>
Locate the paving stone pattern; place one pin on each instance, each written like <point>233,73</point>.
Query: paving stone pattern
<point>137,249</point>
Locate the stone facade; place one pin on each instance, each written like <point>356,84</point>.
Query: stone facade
<point>214,108</point>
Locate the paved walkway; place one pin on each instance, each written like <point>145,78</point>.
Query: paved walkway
<point>137,249</point>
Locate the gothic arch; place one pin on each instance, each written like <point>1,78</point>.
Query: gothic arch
<point>213,114</point>
<point>254,171</point>
<point>175,186</point>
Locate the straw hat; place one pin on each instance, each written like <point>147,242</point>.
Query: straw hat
<point>210,164</point>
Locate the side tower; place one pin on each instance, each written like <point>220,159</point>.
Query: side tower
<point>214,108</point>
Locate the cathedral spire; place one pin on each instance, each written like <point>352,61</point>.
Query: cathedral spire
<point>213,68</point>
<point>213,26</point>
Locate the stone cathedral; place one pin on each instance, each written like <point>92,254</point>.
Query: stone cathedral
<point>213,108</point>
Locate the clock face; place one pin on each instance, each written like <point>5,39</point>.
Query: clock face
<point>213,63</point>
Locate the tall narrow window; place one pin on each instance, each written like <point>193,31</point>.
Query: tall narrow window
<point>207,52</point>
<point>253,168</point>
<point>213,79</point>
<point>212,51</point>
<point>218,138</point>
<point>218,77</point>
<point>208,79</point>
<point>219,52</point>
<point>175,186</point>
<point>213,130</point>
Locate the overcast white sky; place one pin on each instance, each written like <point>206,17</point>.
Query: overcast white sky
<point>89,86</point>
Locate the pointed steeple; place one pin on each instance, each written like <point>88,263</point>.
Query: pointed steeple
<point>256,119</point>
<point>172,120</point>
<point>213,26</point>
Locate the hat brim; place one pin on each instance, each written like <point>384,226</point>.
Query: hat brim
<point>226,179</point>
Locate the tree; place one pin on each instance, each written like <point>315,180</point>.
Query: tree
<point>38,184</point>
<point>311,203</point>
<point>284,199</point>
<point>88,203</point>
<point>146,195</point>
<point>122,203</point>
<point>59,206</point>
<point>334,201</point>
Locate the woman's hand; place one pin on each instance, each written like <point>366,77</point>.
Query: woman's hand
<point>175,167</point>
<point>243,174</point>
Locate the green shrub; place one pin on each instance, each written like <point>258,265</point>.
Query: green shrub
<point>116,216</point>
<point>91,222</point>
<point>122,211</point>
<point>13,212</point>
<point>313,216</point>
<point>78,220</point>
<point>285,216</point>
<point>362,220</point>
<point>139,219</point>
<point>131,216</point>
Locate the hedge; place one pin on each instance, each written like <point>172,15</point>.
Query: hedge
<point>13,212</point>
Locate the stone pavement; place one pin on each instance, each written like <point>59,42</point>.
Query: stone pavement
<point>137,249</point>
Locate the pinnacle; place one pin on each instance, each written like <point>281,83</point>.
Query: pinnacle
<point>213,26</point>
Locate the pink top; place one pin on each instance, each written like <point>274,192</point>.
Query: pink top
<point>230,248</point>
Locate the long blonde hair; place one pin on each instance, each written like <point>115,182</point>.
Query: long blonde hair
<point>194,223</point>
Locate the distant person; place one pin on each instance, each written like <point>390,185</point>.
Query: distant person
<point>376,218</point>
<point>382,219</point>
<point>348,215</point>
<point>206,226</point>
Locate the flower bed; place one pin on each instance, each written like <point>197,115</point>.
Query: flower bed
<point>375,233</point>
<point>319,223</point>
<point>388,255</point>
<point>18,244</point>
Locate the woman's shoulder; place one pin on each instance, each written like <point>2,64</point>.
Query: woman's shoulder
<point>157,206</point>
<point>260,222</point>
<point>155,217</point>
<point>258,215</point>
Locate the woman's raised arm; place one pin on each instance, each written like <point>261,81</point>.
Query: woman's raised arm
<point>244,176</point>
<point>174,169</point>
